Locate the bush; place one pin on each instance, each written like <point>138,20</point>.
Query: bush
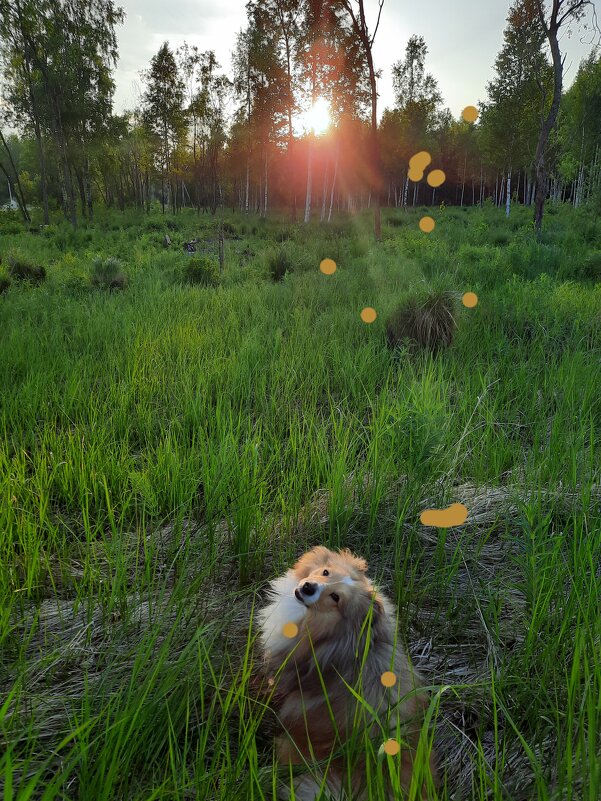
<point>201,270</point>
<point>429,323</point>
<point>591,266</point>
<point>23,270</point>
<point>279,264</point>
<point>108,274</point>
<point>499,238</point>
<point>11,228</point>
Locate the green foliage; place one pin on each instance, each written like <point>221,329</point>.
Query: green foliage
<point>4,283</point>
<point>201,270</point>
<point>107,273</point>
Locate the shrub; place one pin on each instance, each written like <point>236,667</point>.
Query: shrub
<point>108,274</point>
<point>279,264</point>
<point>201,270</point>
<point>429,323</point>
<point>499,237</point>
<point>23,270</point>
<point>591,266</point>
<point>10,227</point>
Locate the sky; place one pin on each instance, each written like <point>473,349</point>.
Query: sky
<point>463,39</point>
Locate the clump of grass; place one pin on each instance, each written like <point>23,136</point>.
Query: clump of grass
<point>591,266</point>
<point>201,270</point>
<point>22,269</point>
<point>4,283</point>
<point>108,273</point>
<point>499,238</point>
<point>428,323</point>
<point>279,264</point>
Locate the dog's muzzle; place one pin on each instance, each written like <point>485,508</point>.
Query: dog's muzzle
<point>307,593</point>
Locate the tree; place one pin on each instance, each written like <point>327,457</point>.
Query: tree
<point>283,18</point>
<point>164,116</point>
<point>361,30</point>
<point>417,102</point>
<point>516,95</point>
<point>580,130</point>
<point>58,57</point>
<point>552,21</point>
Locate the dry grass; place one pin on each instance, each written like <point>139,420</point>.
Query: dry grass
<point>71,649</point>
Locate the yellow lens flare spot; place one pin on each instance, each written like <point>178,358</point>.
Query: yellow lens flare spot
<point>453,515</point>
<point>290,630</point>
<point>427,224</point>
<point>327,266</point>
<point>368,315</point>
<point>415,174</point>
<point>470,113</point>
<point>391,747</point>
<point>420,161</point>
<point>436,178</point>
<point>470,299</point>
<point>388,678</point>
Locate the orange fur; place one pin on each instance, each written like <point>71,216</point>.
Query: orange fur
<point>346,637</point>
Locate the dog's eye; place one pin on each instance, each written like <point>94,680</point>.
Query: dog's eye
<point>326,573</point>
<point>335,597</point>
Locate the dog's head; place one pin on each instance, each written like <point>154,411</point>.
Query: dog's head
<point>334,589</point>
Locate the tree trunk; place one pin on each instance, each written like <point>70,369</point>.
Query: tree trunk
<point>463,181</point>
<point>551,30</point>
<point>334,180</point>
<point>508,199</point>
<point>16,181</point>
<point>309,182</point>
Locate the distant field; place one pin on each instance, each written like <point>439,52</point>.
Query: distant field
<point>167,446</point>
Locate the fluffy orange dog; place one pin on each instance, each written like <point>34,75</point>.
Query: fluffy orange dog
<point>346,639</point>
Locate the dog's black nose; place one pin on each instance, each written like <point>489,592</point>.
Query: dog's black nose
<point>308,588</point>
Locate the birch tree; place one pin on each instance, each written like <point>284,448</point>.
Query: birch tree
<point>356,12</point>
<point>554,16</point>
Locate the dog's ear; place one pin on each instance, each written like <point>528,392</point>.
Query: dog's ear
<point>358,563</point>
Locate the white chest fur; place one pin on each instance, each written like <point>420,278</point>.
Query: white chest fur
<point>283,608</point>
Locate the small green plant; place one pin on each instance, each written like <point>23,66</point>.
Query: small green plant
<point>108,273</point>
<point>22,269</point>
<point>201,270</point>
<point>429,323</point>
<point>279,264</point>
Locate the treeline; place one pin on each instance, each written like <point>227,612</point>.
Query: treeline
<point>205,139</point>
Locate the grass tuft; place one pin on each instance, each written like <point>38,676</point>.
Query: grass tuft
<point>107,273</point>
<point>428,323</point>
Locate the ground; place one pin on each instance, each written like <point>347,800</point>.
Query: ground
<point>175,434</point>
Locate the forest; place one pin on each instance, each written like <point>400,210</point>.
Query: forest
<point>259,312</point>
<point>290,123</point>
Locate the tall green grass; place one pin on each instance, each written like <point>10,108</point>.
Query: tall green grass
<point>158,444</point>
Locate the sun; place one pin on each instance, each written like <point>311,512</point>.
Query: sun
<point>317,118</point>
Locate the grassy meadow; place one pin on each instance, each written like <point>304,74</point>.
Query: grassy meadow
<point>171,443</point>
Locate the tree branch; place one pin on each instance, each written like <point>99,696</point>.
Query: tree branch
<point>380,7</point>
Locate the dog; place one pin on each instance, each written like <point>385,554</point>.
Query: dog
<point>327,629</point>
